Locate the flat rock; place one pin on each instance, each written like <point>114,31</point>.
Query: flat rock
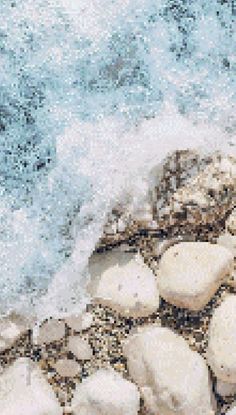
<point>105,393</point>
<point>221,353</point>
<point>12,328</point>
<point>67,368</point>
<point>191,272</point>
<point>122,281</point>
<point>173,379</point>
<point>25,391</point>
<point>50,331</point>
<point>80,322</point>
<point>80,348</point>
<point>225,389</point>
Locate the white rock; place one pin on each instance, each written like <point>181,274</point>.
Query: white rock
<point>221,352</point>
<point>225,389</point>
<point>231,223</point>
<point>12,328</point>
<point>122,281</point>
<point>80,322</point>
<point>191,272</point>
<point>232,411</point>
<point>25,391</point>
<point>80,348</point>
<point>50,331</point>
<point>105,393</point>
<point>67,367</point>
<point>228,241</point>
<point>172,378</point>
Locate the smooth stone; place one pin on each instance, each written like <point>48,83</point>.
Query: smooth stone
<point>225,389</point>
<point>80,348</point>
<point>106,393</point>
<point>50,331</point>
<point>228,241</point>
<point>67,368</point>
<point>25,391</point>
<point>230,224</point>
<point>191,272</point>
<point>221,353</point>
<point>80,322</point>
<point>173,379</point>
<point>12,328</point>
<point>123,282</point>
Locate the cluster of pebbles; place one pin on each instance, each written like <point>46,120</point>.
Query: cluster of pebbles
<point>158,337</point>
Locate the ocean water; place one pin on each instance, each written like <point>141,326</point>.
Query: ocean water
<point>92,95</point>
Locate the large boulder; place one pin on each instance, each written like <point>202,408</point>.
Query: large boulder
<point>221,352</point>
<point>25,391</point>
<point>191,272</point>
<point>172,378</point>
<point>122,281</point>
<point>105,393</point>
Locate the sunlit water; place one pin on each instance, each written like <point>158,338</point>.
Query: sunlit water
<point>92,94</point>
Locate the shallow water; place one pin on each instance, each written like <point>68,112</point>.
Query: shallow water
<point>93,94</point>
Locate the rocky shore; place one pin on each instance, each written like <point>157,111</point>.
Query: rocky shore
<point>158,337</point>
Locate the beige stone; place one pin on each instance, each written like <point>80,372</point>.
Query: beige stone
<point>80,348</point>
<point>50,331</point>
<point>105,393</point>
<point>191,272</point>
<point>122,281</point>
<point>80,322</point>
<point>67,368</point>
<point>221,353</point>
<point>173,379</point>
<point>25,391</point>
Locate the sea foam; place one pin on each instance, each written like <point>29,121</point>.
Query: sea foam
<point>93,95</point>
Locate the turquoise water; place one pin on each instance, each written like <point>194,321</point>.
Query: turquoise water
<point>91,95</point>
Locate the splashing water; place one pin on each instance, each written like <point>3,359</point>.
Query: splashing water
<point>92,94</point>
